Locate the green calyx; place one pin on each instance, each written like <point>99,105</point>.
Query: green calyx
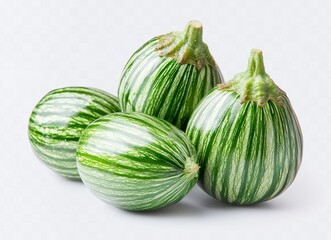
<point>186,47</point>
<point>255,84</point>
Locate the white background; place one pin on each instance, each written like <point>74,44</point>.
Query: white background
<point>50,44</point>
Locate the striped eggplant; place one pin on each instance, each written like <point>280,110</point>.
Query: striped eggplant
<point>136,162</point>
<point>58,121</point>
<point>248,138</point>
<point>169,75</point>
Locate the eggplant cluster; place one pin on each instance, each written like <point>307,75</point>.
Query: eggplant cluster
<point>175,123</point>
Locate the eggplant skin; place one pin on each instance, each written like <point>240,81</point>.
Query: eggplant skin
<point>58,121</point>
<point>136,162</point>
<point>162,87</point>
<point>247,154</point>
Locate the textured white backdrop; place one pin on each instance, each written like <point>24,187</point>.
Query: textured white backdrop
<point>50,44</point>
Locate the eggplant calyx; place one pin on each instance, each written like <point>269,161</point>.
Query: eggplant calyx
<point>255,84</point>
<point>186,47</point>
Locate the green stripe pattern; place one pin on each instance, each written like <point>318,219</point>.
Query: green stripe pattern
<point>58,121</point>
<point>136,162</point>
<point>247,154</point>
<point>162,87</point>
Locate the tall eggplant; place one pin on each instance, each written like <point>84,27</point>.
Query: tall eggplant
<point>58,121</point>
<point>169,75</point>
<point>248,138</point>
